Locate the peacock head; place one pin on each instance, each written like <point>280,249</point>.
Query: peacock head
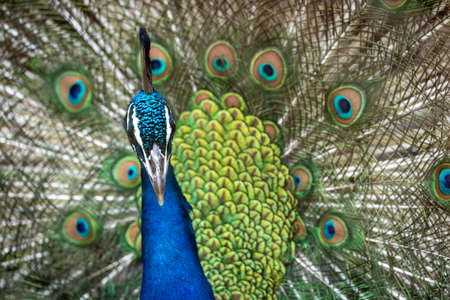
<point>149,124</point>
<point>150,127</point>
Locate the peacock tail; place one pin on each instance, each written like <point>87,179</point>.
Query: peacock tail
<point>312,142</point>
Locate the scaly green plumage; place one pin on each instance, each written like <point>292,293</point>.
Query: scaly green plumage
<point>229,169</point>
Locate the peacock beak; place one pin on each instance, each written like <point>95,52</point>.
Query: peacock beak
<point>156,165</point>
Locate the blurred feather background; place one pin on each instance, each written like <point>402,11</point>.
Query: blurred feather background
<point>312,142</point>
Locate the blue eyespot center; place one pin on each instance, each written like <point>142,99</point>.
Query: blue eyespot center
<point>267,72</point>
<point>343,107</point>
<point>82,226</point>
<point>76,92</point>
<point>329,230</point>
<point>444,181</point>
<point>158,66</point>
<point>132,173</point>
<point>297,180</point>
<point>221,64</point>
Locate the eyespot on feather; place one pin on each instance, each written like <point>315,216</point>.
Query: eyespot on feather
<point>440,183</point>
<point>221,60</point>
<point>303,180</point>
<point>80,228</point>
<point>127,172</point>
<point>333,231</point>
<point>268,69</point>
<point>346,104</point>
<point>73,90</point>
<point>132,233</point>
<point>300,232</point>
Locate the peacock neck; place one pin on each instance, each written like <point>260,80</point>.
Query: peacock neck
<point>172,268</point>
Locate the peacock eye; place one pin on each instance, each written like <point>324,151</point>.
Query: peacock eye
<point>158,66</point>
<point>444,181</point>
<point>83,227</point>
<point>127,172</point>
<point>302,180</point>
<point>343,107</point>
<point>80,228</point>
<point>300,232</point>
<point>393,3</point>
<point>221,64</point>
<point>133,236</point>
<point>346,104</point>
<point>73,91</point>
<point>441,181</point>
<point>267,72</point>
<point>220,60</point>
<point>333,231</point>
<point>268,69</point>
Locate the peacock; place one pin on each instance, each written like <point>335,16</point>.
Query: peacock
<point>171,266</point>
<point>310,141</point>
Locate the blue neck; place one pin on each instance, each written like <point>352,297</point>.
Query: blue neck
<point>172,268</point>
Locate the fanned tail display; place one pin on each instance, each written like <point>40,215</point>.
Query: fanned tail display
<point>312,143</point>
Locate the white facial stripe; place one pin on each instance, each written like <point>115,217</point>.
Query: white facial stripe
<point>137,136</point>
<point>168,127</point>
<point>129,112</point>
<point>130,107</point>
